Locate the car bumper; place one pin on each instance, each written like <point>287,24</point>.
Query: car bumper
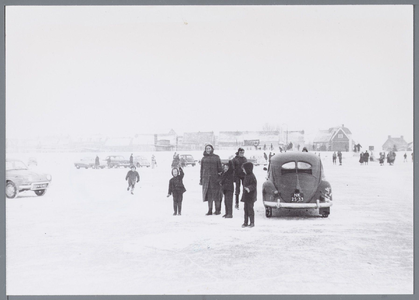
<point>315,205</point>
<point>34,186</point>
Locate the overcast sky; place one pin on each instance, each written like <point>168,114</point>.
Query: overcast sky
<point>147,69</point>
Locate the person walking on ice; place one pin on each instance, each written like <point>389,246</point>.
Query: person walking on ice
<point>176,188</point>
<point>133,177</point>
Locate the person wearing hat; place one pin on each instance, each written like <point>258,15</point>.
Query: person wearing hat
<point>132,177</point>
<point>210,177</point>
<point>238,161</point>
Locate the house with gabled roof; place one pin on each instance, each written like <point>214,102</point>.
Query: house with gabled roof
<point>395,144</point>
<point>333,139</point>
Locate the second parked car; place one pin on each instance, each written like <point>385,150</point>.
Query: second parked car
<point>141,161</point>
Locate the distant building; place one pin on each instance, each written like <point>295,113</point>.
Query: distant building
<point>143,142</point>
<point>395,144</point>
<point>196,140</point>
<point>230,139</point>
<point>333,139</point>
<point>167,141</point>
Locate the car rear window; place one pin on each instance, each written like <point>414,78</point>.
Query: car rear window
<point>296,167</point>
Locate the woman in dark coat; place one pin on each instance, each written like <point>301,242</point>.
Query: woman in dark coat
<point>210,178</point>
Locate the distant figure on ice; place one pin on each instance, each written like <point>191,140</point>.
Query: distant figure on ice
<point>249,194</point>
<point>381,159</point>
<point>210,172</point>
<point>227,188</point>
<point>238,161</point>
<point>366,156</point>
<point>334,158</point>
<point>97,162</point>
<point>176,161</point>
<point>391,157</point>
<point>305,149</point>
<point>133,177</point>
<point>405,157</point>
<point>340,157</point>
<point>131,160</point>
<point>153,161</point>
<point>176,188</point>
<point>361,158</point>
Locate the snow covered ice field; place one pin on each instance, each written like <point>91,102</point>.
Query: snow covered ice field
<point>89,236</point>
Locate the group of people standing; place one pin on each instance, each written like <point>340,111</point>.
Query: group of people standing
<point>220,181</point>
<point>364,158</point>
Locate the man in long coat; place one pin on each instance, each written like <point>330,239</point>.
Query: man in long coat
<point>210,178</point>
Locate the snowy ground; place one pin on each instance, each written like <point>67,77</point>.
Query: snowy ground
<point>89,236</point>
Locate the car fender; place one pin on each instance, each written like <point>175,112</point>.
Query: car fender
<point>269,192</point>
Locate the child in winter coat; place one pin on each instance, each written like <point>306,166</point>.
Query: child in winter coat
<point>132,177</point>
<point>249,194</point>
<point>227,188</point>
<point>176,188</point>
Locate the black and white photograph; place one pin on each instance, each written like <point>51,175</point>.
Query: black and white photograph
<point>209,149</point>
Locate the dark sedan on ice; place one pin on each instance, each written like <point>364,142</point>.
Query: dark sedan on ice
<point>19,179</point>
<point>296,181</point>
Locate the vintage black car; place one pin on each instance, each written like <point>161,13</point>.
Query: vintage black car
<point>89,162</point>
<point>116,161</point>
<point>187,160</point>
<point>296,181</point>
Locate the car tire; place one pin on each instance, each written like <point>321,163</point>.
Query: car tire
<point>268,212</point>
<point>11,190</point>
<point>40,192</point>
<point>77,167</point>
<point>193,165</point>
<point>324,212</point>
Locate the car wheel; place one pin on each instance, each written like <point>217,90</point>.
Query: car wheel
<point>193,165</point>
<point>78,167</point>
<point>268,212</point>
<point>40,192</point>
<point>325,212</point>
<point>11,190</point>
<point>86,167</point>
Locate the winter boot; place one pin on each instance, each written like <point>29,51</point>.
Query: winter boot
<point>244,225</point>
<point>209,212</point>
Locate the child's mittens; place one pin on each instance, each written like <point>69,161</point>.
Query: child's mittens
<point>247,189</point>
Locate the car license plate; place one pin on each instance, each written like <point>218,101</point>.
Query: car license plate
<point>40,186</point>
<point>297,197</point>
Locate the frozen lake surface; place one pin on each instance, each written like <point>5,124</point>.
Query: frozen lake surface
<point>89,236</point>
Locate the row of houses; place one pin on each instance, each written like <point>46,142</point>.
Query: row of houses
<point>333,139</point>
